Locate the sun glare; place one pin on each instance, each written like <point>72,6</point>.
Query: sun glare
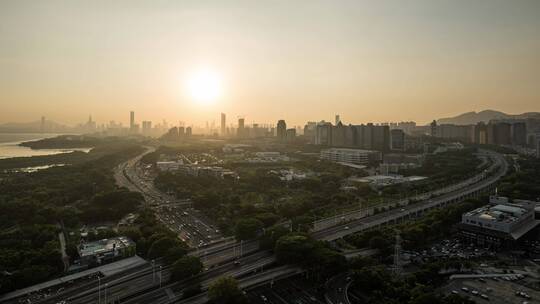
<point>204,86</point>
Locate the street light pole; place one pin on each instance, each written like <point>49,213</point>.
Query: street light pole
<point>99,290</point>
<point>106,293</point>
<point>153,272</point>
<point>160,268</point>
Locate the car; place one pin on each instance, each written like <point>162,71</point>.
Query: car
<point>264,298</point>
<point>455,292</point>
<point>475,292</point>
<point>465,289</point>
<point>346,228</point>
<point>483,296</point>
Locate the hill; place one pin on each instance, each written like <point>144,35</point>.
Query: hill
<point>470,118</point>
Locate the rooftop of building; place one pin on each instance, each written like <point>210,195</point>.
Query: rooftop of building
<point>507,213</point>
<point>348,150</point>
<point>104,245</point>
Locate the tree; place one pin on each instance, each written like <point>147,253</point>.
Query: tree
<point>186,267</point>
<point>267,218</point>
<point>160,247</point>
<point>225,291</point>
<point>271,235</point>
<point>247,229</point>
<point>175,253</point>
<point>293,248</point>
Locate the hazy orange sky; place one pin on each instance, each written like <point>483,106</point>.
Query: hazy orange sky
<point>297,60</point>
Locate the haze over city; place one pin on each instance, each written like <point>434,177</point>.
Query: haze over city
<point>269,152</point>
<point>369,61</point>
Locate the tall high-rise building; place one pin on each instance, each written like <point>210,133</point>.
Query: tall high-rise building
<point>338,135</point>
<point>433,125</point>
<point>146,127</point>
<point>132,120</point>
<point>381,138</point>
<point>290,135</point>
<point>240,132</point>
<point>338,119</point>
<point>397,139</point>
<point>499,133</point>
<point>223,124</point>
<point>538,146</point>
<point>519,134</point>
<point>323,134</point>
<point>480,133</point>
<point>188,131</point>
<point>281,130</point>
<point>42,126</point>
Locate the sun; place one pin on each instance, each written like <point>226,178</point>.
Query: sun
<point>204,86</point>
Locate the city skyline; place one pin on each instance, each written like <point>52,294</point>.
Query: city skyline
<point>370,62</point>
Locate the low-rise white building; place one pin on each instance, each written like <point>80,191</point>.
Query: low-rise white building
<point>353,156</point>
<point>169,165</point>
<point>500,222</point>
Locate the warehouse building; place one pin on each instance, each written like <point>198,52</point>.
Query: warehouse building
<point>106,250</point>
<point>500,223</point>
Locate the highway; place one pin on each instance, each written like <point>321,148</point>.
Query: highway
<point>142,287</point>
<point>498,170</point>
<point>351,215</point>
<point>190,225</point>
<point>336,289</point>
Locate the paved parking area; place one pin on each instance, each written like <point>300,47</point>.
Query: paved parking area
<point>501,291</point>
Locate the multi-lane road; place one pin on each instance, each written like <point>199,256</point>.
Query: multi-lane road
<point>497,170</point>
<point>190,225</point>
<point>223,258</point>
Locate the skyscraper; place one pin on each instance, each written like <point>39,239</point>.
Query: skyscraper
<point>146,127</point>
<point>338,119</point>
<point>281,130</point>
<point>131,120</point>
<point>240,132</point>
<point>434,132</point>
<point>519,134</point>
<point>397,139</point>
<point>42,127</point>
<point>223,125</point>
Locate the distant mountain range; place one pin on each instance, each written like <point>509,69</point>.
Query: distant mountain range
<point>485,116</point>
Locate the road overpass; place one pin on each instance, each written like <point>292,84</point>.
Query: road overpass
<point>142,288</point>
<point>497,170</point>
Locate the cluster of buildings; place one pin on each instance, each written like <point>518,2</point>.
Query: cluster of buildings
<point>267,157</point>
<point>176,133</point>
<point>106,250</point>
<point>500,223</point>
<point>289,174</point>
<point>511,132</point>
<point>368,137</point>
<point>379,181</point>
<point>195,169</point>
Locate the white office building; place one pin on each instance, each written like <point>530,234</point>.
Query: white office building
<point>352,156</point>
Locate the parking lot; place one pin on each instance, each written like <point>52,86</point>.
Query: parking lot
<point>496,290</point>
<point>294,290</point>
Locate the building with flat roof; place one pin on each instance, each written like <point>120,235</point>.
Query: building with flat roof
<point>500,223</point>
<point>353,156</point>
<point>106,250</point>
